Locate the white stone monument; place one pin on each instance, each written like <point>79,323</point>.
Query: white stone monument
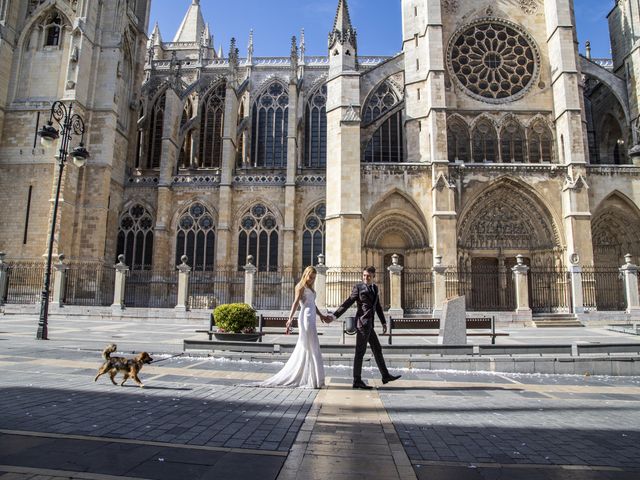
<point>453,323</point>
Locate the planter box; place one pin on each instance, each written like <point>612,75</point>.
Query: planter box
<point>237,337</point>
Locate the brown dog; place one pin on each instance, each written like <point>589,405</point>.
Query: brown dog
<point>128,366</point>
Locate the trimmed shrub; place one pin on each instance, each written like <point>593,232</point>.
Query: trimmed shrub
<point>235,318</point>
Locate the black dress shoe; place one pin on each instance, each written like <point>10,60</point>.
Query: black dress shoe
<point>361,384</point>
<point>390,378</point>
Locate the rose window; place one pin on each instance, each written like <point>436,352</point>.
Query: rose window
<point>493,61</point>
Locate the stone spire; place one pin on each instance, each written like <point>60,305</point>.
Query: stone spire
<point>192,26</point>
<point>343,32</point>
<point>156,37</point>
<point>250,48</point>
<point>294,59</point>
<point>303,47</point>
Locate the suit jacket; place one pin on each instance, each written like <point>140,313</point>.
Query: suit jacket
<point>368,305</point>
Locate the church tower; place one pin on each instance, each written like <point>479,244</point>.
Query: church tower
<point>344,215</point>
<point>83,52</point>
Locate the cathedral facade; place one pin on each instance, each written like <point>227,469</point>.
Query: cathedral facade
<point>488,136</point>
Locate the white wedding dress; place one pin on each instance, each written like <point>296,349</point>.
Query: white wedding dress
<point>305,368</point>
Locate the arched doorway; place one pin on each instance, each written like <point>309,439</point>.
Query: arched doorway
<point>397,227</point>
<point>504,221</point>
<point>615,230</point>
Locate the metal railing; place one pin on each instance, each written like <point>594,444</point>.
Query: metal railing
<point>340,282</point>
<point>550,290</point>
<point>603,289</point>
<point>152,289</point>
<point>486,288</point>
<point>275,290</point>
<point>417,290</point>
<point>25,282</point>
<point>89,285</point>
<point>207,290</point>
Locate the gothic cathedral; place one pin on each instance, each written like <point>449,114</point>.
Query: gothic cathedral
<point>487,136</point>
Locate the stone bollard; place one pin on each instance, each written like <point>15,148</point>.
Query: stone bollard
<point>321,284</point>
<point>521,280</point>
<point>439,286</point>
<point>4,278</point>
<point>395,272</point>
<point>122,271</point>
<point>630,274</point>
<point>249,280</point>
<point>59,281</point>
<point>183,285</point>
<point>577,290</point>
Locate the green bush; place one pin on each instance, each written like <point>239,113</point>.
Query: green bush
<point>236,318</point>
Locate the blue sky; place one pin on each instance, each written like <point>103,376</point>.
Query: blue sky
<point>378,23</point>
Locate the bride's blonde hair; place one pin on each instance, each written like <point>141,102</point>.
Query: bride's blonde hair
<point>305,278</point>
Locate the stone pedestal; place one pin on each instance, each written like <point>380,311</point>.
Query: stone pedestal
<point>122,270</point>
<point>249,281</point>
<point>395,276</point>
<point>521,280</point>
<point>183,285</point>
<point>630,273</point>
<point>453,322</point>
<point>439,286</point>
<point>577,291</point>
<point>59,282</point>
<point>321,284</point>
<point>4,278</point>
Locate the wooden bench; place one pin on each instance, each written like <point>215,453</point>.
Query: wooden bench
<point>263,322</point>
<point>428,323</point>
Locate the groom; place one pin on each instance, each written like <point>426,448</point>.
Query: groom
<point>365,295</point>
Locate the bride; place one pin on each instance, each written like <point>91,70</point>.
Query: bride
<point>304,369</point>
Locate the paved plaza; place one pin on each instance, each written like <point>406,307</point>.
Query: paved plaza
<point>200,417</point>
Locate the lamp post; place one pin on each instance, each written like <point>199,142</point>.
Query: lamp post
<point>72,125</point>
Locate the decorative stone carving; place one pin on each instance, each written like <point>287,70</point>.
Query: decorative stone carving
<point>504,218</point>
<point>450,6</point>
<point>530,7</point>
<point>493,60</point>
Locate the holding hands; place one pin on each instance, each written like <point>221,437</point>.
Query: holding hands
<point>327,318</point>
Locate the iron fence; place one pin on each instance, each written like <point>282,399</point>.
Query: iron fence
<point>275,290</point>
<point>89,285</point>
<point>152,289</point>
<point>417,290</point>
<point>603,289</point>
<point>549,290</point>
<point>486,288</point>
<point>207,290</point>
<point>25,281</point>
<point>340,282</point>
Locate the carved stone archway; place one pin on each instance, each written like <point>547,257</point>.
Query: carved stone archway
<point>507,218</point>
<point>615,231</point>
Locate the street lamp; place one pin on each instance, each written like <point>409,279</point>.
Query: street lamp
<point>72,125</point>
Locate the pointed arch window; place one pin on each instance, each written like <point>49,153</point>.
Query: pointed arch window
<point>258,236</point>
<point>269,128</point>
<point>313,236</point>
<point>316,130</point>
<point>540,144</point>
<point>155,133</point>
<point>135,238</point>
<point>458,142</point>
<point>187,146</point>
<point>125,87</point>
<point>53,30</point>
<point>484,143</point>
<point>196,238</point>
<point>512,143</point>
<point>386,144</point>
<point>211,125</point>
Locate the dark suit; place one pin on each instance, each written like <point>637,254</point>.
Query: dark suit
<point>368,304</point>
